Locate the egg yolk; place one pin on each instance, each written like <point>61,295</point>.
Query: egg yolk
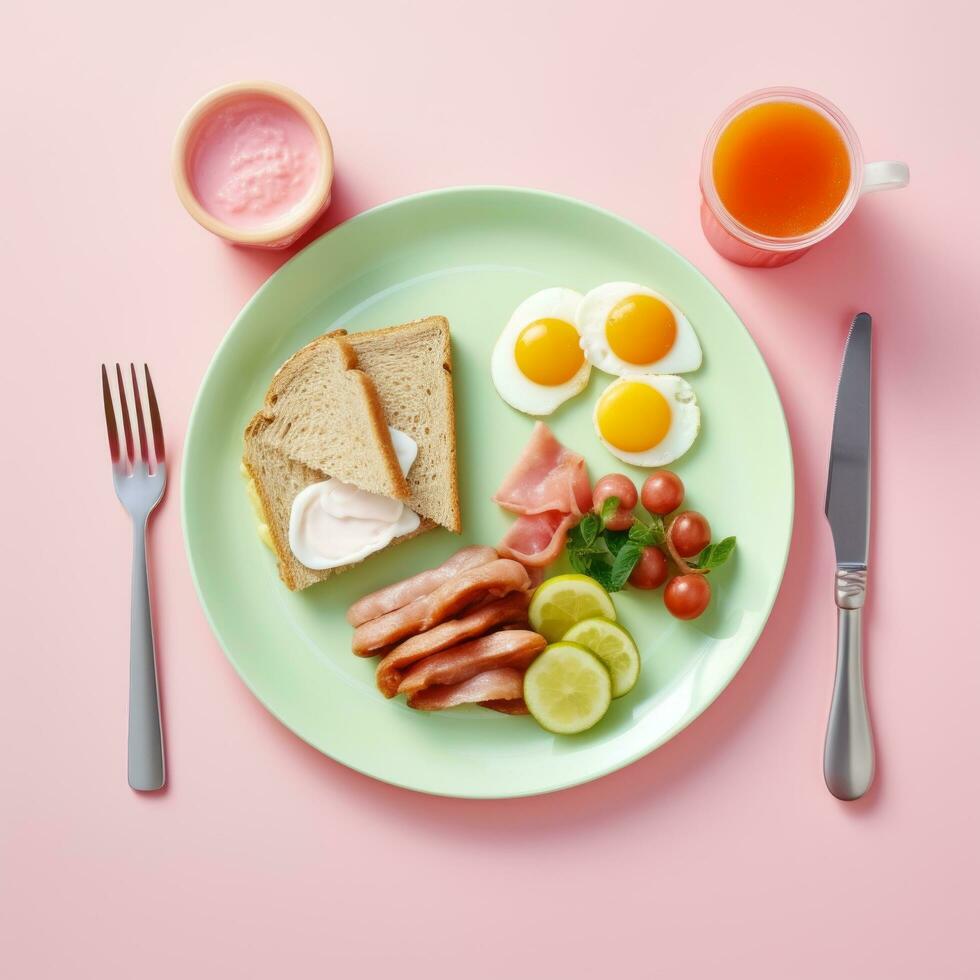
<point>547,351</point>
<point>641,329</point>
<point>633,417</point>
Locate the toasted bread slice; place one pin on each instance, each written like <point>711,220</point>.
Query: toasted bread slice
<point>318,398</point>
<point>327,412</point>
<point>277,479</point>
<point>323,412</point>
<point>411,367</point>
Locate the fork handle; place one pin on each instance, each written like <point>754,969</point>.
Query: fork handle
<point>146,769</point>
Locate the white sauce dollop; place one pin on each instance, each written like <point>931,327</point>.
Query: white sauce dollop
<point>333,523</point>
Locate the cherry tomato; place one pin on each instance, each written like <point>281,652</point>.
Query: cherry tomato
<point>687,596</point>
<point>650,572</point>
<point>616,485</point>
<point>663,492</point>
<point>622,520</point>
<point>690,533</point>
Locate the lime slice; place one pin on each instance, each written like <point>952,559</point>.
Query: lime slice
<point>560,602</point>
<point>567,689</point>
<point>613,646</point>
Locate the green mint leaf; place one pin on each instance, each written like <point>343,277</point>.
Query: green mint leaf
<point>715,555</point>
<point>579,562</point>
<point>623,565</point>
<point>642,535</point>
<point>657,529</point>
<point>589,527</point>
<point>614,541</point>
<point>649,534</point>
<point>609,507</point>
<point>600,571</point>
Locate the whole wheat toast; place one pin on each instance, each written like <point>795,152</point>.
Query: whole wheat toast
<point>411,366</point>
<point>323,408</point>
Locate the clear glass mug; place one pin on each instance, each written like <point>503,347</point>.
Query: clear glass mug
<point>740,244</point>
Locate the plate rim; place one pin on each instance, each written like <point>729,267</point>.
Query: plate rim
<point>191,436</point>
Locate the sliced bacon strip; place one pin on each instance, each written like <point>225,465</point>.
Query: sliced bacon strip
<point>504,684</point>
<point>400,594</point>
<point>546,476</point>
<point>515,707</point>
<point>537,540</point>
<point>512,609</point>
<point>508,648</point>
<point>496,578</point>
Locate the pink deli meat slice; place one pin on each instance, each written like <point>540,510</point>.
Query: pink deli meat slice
<point>546,476</point>
<point>400,594</point>
<point>508,648</point>
<point>512,609</point>
<point>536,540</point>
<point>515,707</point>
<point>495,579</point>
<point>504,684</point>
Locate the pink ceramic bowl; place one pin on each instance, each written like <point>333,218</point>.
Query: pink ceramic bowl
<point>274,230</point>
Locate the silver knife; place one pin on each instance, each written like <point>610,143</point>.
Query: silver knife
<point>849,757</point>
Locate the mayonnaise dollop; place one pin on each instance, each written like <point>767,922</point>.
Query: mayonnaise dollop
<point>334,523</point>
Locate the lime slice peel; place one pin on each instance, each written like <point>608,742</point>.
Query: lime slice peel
<point>614,646</point>
<point>567,689</point>
<point>561,602</point>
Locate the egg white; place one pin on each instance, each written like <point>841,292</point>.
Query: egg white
<point>593,311</point>
<point>685,420</point>
<point>512,384</point>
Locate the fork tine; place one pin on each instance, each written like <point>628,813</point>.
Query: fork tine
<point>155,422</point>
<point>110,417</point>
<point>124,409</point>
<point>140,424</point>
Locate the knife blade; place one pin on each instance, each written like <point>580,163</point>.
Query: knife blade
<point>848,503</point>
<point>849,756</point>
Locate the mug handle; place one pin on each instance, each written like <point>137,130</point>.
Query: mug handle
<point>884,175</point>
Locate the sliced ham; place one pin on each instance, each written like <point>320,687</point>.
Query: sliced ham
<point>514,707</point>
<point>496,578</point>
<point>512,609</point>
<point>508,648</point>
<point>546,477</point>
<point>502,685</point>
<point>548,488</point>
<point>400,594</point>
<point>536,540</point>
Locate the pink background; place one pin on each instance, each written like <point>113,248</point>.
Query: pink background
<point>720,854</point>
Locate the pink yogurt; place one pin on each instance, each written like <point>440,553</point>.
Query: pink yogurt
<point>252,160</point>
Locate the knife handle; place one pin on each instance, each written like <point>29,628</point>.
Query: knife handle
<point>849,755</point>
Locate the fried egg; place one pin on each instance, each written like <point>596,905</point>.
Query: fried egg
<point>631,329</point>
<point>538,362</point>
<point>648,420</point>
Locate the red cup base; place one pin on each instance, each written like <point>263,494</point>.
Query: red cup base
<point>735,250</point>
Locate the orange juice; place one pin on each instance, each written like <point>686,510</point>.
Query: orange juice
<point>781,169</point>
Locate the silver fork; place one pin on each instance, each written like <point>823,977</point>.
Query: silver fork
<point>139,482</point>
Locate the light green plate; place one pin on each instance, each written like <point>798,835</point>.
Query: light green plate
<point>473,254</point>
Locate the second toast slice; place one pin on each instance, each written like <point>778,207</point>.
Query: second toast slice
<point>411,366</point>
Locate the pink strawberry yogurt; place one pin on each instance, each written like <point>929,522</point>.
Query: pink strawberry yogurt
<point>253,163</point>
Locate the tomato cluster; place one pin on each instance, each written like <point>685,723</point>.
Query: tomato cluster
<point>686,535</point>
